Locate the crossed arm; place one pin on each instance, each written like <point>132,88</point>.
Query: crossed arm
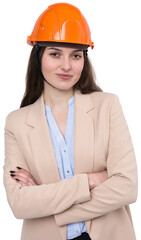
<point>24,178</point>
<point>28,200</point>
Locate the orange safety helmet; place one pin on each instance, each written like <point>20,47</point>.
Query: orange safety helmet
<point>63,23</point>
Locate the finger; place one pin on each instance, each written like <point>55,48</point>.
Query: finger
<point>19,178</point>
<point>24,178</point>
<point>22,170</point>
<point>22,173</point>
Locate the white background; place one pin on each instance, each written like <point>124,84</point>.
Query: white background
<point>116,31</point>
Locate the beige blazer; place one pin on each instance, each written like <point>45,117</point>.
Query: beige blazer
<point>102,141</point>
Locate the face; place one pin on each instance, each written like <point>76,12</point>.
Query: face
<point>62,66</point>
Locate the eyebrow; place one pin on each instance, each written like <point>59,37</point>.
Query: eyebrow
<point>52,48</point>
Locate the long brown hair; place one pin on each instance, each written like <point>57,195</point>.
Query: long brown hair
<point>35,81</point>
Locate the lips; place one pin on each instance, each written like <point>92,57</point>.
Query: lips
<point>64,76</point>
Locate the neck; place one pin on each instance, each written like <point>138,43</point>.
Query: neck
<point>56,98</point>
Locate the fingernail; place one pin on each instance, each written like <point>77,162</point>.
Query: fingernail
<point>17,180</point>
<point>12,175</point>
<point>12,171</point>
<point>19,168</point>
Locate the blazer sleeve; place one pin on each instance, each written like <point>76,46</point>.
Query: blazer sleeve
<point>121,187</point>
<point>40,200</point>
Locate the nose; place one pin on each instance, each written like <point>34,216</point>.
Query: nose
<point>65,64</point>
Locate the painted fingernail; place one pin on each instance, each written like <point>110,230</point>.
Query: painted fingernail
<point>12,175</point>
<point>17,180</point>
<point>19,168</point>
<point>12,171</point>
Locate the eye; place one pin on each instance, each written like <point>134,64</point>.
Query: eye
<point>54,54</point>
<point>77,56</point>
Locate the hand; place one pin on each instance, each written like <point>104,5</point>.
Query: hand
<point>97,178</point>
<point>23,177</point>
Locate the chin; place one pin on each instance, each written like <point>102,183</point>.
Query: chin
<point>64,87</point>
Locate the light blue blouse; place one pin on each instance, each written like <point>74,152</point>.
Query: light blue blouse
<point>64,154</point>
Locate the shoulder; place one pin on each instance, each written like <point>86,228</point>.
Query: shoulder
<point>19,113</point>
<point>17,116</point>
<point>103,96</point>
<point>104,99</point>
<point>107,101</point>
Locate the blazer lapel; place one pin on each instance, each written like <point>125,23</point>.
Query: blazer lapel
<point>84,134</point>
<point>41,144</point>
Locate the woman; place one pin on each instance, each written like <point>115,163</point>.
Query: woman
<point>70,169</point>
